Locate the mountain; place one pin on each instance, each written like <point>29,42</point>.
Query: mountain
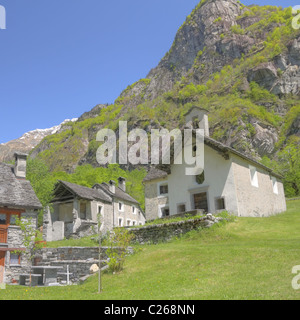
<point>239,62</point>
<point>27,142</point>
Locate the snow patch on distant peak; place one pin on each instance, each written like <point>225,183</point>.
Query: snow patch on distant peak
<point>39,134</point>
<point>51,130</point>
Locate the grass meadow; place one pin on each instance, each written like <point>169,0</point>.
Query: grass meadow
<point>247,259</point>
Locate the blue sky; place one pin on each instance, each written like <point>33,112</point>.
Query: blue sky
<point>59,58</point>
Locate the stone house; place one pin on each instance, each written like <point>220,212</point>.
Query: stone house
<point>75,210</point>
<point>17,199</point>
<point>230,181</point>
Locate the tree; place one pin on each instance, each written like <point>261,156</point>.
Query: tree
<point>42,183</point>
<point>32,238</point>
<point>289,164</point>
<point>99,218</point>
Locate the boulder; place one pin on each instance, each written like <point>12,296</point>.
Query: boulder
<point>94,268</point>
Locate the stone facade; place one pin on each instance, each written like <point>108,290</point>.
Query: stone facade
<point>129,215</point>
<point>17,201</point>
<point>76,210</point>
<point>152,200</point>
<point>15,247</point>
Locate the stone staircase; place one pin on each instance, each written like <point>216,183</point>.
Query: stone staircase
<point>76,260</point>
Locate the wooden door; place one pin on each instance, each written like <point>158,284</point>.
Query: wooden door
<point>2,264</point>
<point>200,201</point>
<point>3,227</point>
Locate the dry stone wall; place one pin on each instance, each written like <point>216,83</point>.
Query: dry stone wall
<point>165,232</point>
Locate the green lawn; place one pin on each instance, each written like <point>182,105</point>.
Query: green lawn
<point>250,258</point>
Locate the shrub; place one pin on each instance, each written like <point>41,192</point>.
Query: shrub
<point>237,29</point>
<point>119,241</point>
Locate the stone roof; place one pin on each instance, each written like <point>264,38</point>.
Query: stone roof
<point>14,192</point>
<point>119,193</point>
<point>195,107</point>
<point>84,192</point>
<point>98,192</point>
<point>155,173</point>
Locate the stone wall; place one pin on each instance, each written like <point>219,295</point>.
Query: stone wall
<point>165,232</point>
<point>79,259</point>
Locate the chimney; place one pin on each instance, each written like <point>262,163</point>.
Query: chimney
<point>122,183</point>
<point>112,186</point>
<point>20,165</point>
<point>198,118</point>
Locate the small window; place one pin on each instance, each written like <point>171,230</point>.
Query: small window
<point>120,222</point>
<point>121,206</point>
<point>134,223</point>
<point>99,210</point>
<point>15,259</point>
<point>253,176</point>
<point>133,209</point>
<point>128,223</point>
<point>220,204</point>
<point>181,208</point>
<point>163,189</point>
<point>2,218</point>
<point>83,207</point>
<point>83,210</point>
<point>275,185</point>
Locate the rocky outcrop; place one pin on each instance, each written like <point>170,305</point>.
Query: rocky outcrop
<point>93,113</point>
<point>282,75</point>
<point>265,139</point>
<point>200,31</point>
<point>295,128</point>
